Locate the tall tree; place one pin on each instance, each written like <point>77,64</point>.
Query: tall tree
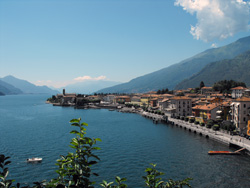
<point>202,84</point>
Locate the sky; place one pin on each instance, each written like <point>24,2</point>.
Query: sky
<point>60,42</point>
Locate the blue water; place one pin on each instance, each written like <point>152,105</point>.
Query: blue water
<point>31,128</point>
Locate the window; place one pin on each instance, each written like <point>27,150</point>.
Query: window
<point>244,119</point>
<point>244,105</point>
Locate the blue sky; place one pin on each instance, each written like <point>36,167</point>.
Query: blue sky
<point>57,42</point>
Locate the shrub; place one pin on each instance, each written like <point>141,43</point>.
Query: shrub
<point>208,126</point>
<point>186,118</point>
<point>210,123</point>
<point>191,120</point>
<point>182,117</point>
<point>196,122</point>
<point>216,127</point>
<point>202,124</point>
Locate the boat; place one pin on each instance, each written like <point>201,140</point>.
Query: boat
<point>34,159</point>
<point>226,152</point>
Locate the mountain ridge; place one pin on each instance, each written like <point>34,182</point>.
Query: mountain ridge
<point>172,75</point>
<point>27,87</point>
<point>228,69</point>
<point>9,89</point>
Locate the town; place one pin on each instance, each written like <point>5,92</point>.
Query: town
<point>202,106</point>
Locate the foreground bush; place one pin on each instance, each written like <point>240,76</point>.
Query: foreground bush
<point>74,169</point>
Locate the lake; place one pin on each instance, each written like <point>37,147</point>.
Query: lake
<point>31,128</point>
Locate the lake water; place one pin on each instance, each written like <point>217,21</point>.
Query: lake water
<point>31,128</point>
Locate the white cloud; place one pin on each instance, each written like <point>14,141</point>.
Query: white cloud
<point>217,19</point>
<point>83,78</point>
<point>214,45</point>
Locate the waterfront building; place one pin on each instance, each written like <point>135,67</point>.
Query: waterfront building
<point>180,106</point>
<point>135,100</point>
<point>238,92</point>
<point>240,110</point>
<point>109,99</point>
<point>67,98</point>
<point>206,91</point>
<point>122,99</point>
<point>145,99</point>
<point>164,104</point>
<point>206,112</point>
<point>94,97</point>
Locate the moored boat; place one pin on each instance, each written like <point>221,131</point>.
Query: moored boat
<point>222,153</point>
<point>34,159</point>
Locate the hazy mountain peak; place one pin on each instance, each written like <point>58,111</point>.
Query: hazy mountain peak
<point>27,87</point>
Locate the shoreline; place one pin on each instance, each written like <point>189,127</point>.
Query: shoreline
<point>219,136</point>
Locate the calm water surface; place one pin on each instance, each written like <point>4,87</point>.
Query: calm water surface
<point>31,128</point>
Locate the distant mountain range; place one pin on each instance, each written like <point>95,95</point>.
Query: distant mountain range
<point>237,69</point>
<point>10,85</point>
<point>8,89</point>
<point>88,87</point>
<point>173,75</point>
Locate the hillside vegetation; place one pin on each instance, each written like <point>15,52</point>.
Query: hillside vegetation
<point>169,77</point>
<point>232,69</point>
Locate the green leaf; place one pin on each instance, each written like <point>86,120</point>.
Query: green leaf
<point>148,169</point>
<point>75,120</point>
<point>84,124</point>
<point>74,132</point>
<point>75,124</point>
<point>96,148</point>
<point>98,139</point>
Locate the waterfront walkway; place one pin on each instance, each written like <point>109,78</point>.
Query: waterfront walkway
<point>215,135</point>
<point>219,136</point>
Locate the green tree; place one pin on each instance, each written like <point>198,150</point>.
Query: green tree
<point>202,84</point>
<point>224,86</point>
<point>75,168</point>
<point>4,182</point>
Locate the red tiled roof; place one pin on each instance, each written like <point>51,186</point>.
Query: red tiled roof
<point>181,98</point>
<point>243,99</point>
<point>206,87</point>
<point>206,107</point>
<point>239,88</point>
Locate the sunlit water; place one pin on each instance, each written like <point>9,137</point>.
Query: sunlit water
<point>31,128</point>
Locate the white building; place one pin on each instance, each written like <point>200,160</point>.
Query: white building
<point>238,92</point>
<point>240,109</point>
<point>181,106</point>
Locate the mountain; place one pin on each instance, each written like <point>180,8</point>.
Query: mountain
<point>169,77</point>
<point>27,87</point>
<point>88,87</point>
<point>8,89</point>
<point>232,69</point>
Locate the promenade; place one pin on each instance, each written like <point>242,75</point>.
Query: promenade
<point>218,136</point>
<point>215,135</point>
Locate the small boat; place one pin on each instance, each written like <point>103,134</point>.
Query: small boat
<point>226,152</point>
<point>222,153</point>
<point>34,159</point>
